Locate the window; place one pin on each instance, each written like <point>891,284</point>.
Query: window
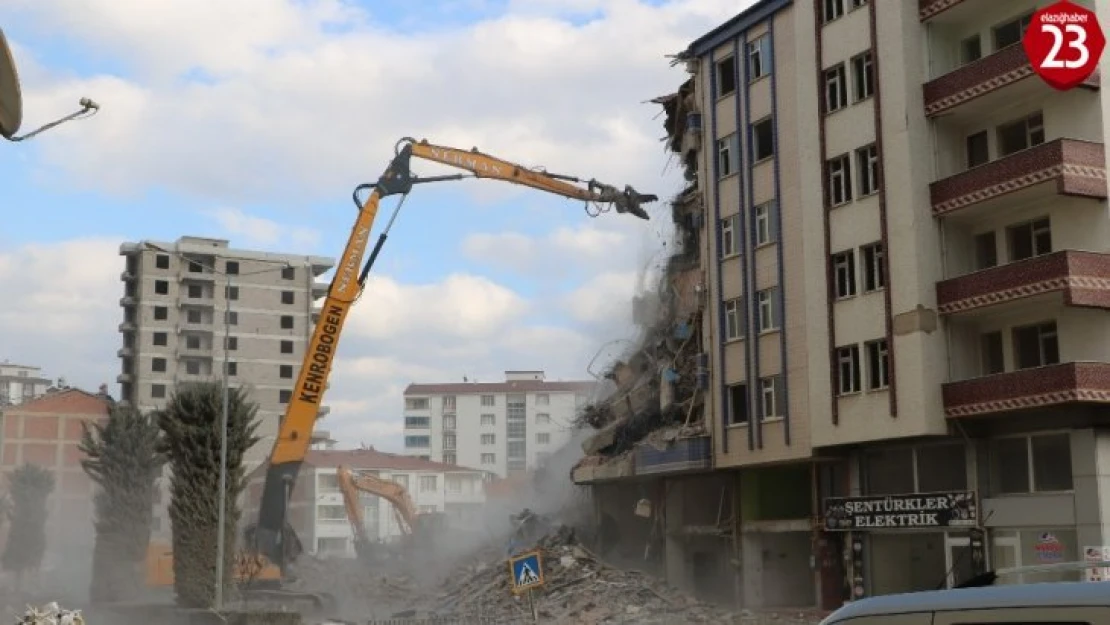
<point>977,150</point>
<point>832,10</point>
<point>1036,345</point>
<point>287,347</point>
<point>763,139</point>
<point>192,342</point>
<point>863,76</point>
<point>418,442</point>
<point>162,287</point>
<point>232,368</point>
<point>287,322</point>
<point>726,76</point>
<point>878,365</point>
<point>734,327</point>
<point>428,483</point>
<point>287,297</point>
<point>836,88</point>
<point>232,343</point>
<point>418,422</point>
<point>489,439</point>
<point>767,313</point>
<point>727,155</point>
<point>1020,134</point>
<point>489,458</point>
<point>195,291</point>
<point>874,271</point>
<point>1009,33</point>
<point>847,369</point>
<point>844,272</point>
<point>730,236</point>
<point>160,338</point>
<point>161,313</point>
<point>986,250</point>
<point>1029,239</point>
<point>288,273</point>
<point>449,441</point>
<point>488,419</point>
<point>194,266</point>
<point>158,364</point>
<point>1031,464</point>
<point>231,267</point>
<point>839,171</point>
<point>162,261</point>
<point>452,459</point>
<point>157,391</point>
<point>990,353</point>
<point>193,316</point>
<point>403,479</point>
<point>738,404</point>
<point>542,418</point>
<point>971,49</point>
<point>770,391</point>
<point>192,367</point>
<point>543,438</point>
<point>764,232</point>
<point>284,395</point>
<point>543,399</point>
<point>488,400</point>
<point>867,160</point>
<point>231,292</point>
<point>416,403</point>
<point>232,318</point>
<point>759,57</point>
<point>449,423</point>
<point>448,403</point>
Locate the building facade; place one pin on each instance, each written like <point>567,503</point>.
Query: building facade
<point>502,427</point>
<point>904,268</point>
<point>191,304</point>
<point>20,383</point>
<point>317,510</point>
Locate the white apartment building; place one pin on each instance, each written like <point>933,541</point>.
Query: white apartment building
<point>179,301</point>
<point>434,487</point>
<point>503,427</point>
<point>20,383</point>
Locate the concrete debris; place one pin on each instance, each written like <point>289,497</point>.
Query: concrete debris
<point>51,614</point>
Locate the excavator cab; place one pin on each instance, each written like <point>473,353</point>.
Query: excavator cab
<point>11,97</point>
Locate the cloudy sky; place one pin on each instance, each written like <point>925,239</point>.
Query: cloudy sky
<point>253,120</point>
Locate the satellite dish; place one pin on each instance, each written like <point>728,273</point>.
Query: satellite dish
<point>11,99</point>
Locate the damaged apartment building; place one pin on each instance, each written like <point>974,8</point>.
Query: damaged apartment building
<point>882,336</point>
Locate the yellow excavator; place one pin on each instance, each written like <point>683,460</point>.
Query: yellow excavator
<point>418,528</point>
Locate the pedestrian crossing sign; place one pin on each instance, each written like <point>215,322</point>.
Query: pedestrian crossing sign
<point>525,571</point>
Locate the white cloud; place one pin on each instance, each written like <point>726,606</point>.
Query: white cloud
<point>253,231</point>
<point>268,101</point>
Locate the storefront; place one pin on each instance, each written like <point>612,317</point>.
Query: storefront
<point>907,542</point>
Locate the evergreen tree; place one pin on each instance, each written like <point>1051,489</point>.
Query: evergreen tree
<point>190,426</point>
<point>30,486</point>
<point>122,457</point>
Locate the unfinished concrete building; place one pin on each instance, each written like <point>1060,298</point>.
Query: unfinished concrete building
<point>901,239</point>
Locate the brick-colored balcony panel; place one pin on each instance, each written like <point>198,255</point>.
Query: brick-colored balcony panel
<point>1077,168</point>
<point>1069,383</point>
<point>978,78</point>
<point>927,9</point>
<point>1083,277</point>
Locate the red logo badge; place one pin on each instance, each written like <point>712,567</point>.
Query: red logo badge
<point>1064,42</point>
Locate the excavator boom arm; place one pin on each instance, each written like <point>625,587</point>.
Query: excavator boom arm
<point>295,432</point>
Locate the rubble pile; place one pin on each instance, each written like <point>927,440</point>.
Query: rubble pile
<point>51,614</point>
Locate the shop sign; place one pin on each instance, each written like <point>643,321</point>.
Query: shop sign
<point>1097,555</point>
<point>1049,548</point>
<point>913,511</point>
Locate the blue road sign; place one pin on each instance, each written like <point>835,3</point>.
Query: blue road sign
<point>525,571</point>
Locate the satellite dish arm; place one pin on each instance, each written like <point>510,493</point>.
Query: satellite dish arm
<point>88,109</point>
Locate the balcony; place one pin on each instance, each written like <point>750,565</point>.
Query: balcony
<point>989,75</point>
<point>1039,387</point>
<point>928,9</point>
<point>127,300</point>
<point>682,455</point>
<point>1082,277</point>
<point>123,378</point>
<point>127,326</point>
<point>124,352</point>
<point>1060,167</point>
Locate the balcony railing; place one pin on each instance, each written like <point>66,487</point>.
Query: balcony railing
<point>927,9</point>
<point>1038,387</point>
<point>1084,277</point>
<point>1078,168</point>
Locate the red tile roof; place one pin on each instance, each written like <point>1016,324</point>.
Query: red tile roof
<point>374,459</point>
<point>70,401</point>
<point>514,386</point>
